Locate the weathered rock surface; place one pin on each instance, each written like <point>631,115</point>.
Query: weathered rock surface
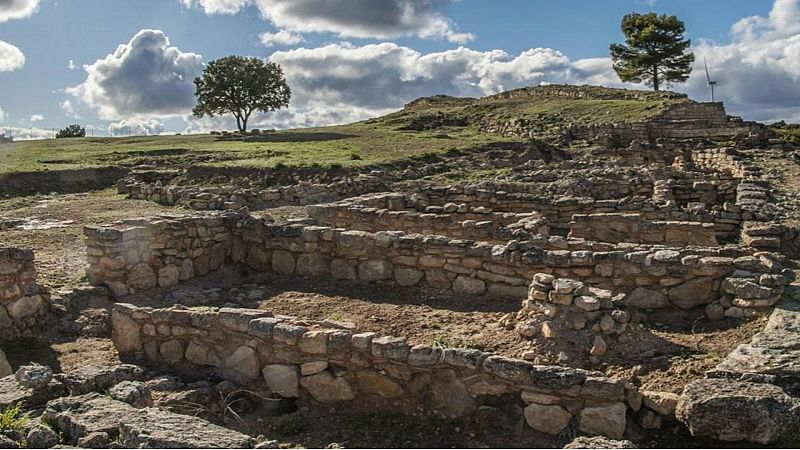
<point>79,417</point>
<point>598,442</point>
<point>99,378</point>
<point>134,393</point>
<point>33,376</point>
<point>731,410</point>
<point>773,351</point>
<point>41,436</point>
<point>5,367</point>
<point>12,393</point>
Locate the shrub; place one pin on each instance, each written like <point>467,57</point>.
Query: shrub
<point>12,418</point>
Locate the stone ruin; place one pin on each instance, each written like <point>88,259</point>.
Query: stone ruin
<point>582,268</point>
<point>694,234</point>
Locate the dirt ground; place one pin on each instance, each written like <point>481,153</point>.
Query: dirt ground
<point>61,250</point>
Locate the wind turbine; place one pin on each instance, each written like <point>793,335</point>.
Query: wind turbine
<point>711,83</point>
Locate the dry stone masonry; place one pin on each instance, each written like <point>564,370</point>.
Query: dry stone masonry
<point>23,303</point>
<point>316,364</point>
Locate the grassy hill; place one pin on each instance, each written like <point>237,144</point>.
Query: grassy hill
<point>427,125</point>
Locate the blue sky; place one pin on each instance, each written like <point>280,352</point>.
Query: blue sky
<point>359,58</point>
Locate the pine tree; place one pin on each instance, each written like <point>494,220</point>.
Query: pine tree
<point>654,51</point>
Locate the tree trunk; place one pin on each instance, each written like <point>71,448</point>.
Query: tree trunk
<point>243,127</point>
<point>655,78</point>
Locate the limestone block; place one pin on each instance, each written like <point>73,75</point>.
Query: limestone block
<point>342,270</point>
<point>326,388</point>
<point>374,270</point>
<point>606,421</point>
<point>282,379</point>
<point>126,333</point>
<point>283,262</point>
<point>142,276</point>
<point>372,383</point>
<point>244,361</point>
<point>168,276</point>
<point>200,354</point>
<point>550,419</point>
<point>406,276</point>
<point>172,351</point>
<point>469,286</point>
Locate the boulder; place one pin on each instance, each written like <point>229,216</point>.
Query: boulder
<point>126,333</point>
<point>468,286</point>
<point>326,388</point>
<point>244,362</point>
<point>693,293</point>
<point>377,384</point>
<point>731,410</point>
<point>646,299</point>
<point>608,421</point>
<point>451,399</point>
<point>406,276</point>
<point>374,270</point>
<point>550,419</point>
<point>282,379</point>
<point>283,262</point>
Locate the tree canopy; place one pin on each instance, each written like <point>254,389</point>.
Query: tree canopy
<point>240,86</point>
<point>74,130</point>
<point>654,51</point>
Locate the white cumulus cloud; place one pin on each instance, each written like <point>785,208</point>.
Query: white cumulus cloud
<point>36,118</point>
<point>146,76</point>
<point>2,115</point>
<point>759,71</point>
<point>11,58</point>
<point>136,127</point>
<point>280,38</point>
<point>17,9</point>
<point>342,82</point>
<point>68,109</point>
<point>217,6</point>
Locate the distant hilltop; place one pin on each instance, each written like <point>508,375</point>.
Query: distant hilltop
<point>579,113</point>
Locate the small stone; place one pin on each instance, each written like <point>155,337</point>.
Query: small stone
<point>715,312</point>
<point>313,367</point>
<point>134,393</point>
<point>42,436</point>
<point>34,376</point>
<point>587,303</point>
<point>599,347</point>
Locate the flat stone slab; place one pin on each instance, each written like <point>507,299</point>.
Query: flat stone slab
<point>12,393</point>
<point>773,351</point>
<point>80,416</point>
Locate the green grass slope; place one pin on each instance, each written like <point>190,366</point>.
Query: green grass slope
<point>428,125</point>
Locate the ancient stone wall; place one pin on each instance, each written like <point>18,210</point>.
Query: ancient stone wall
<point>234,197</point>
<point>22,301</point>
<point>142,254</point>
<point>616,227</point>
<point>678,122</point>
<point>138,255</point>
<point>386,212</point>
<point>559,211</point>
<point>316,363</point>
